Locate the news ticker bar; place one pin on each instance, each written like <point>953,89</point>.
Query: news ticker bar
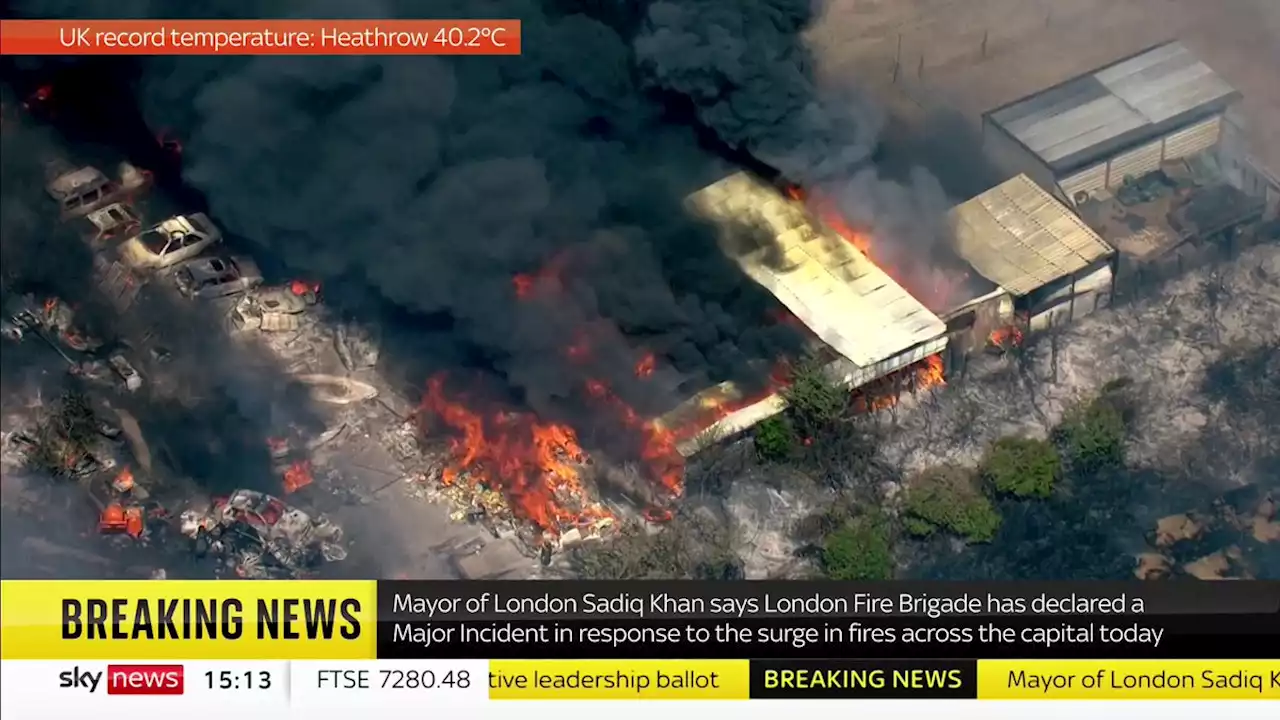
<point>260,37</point>
<point>332,620</point>
<point>464,683</point>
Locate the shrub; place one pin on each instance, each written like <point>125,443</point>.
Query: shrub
<point>860,549</point>
<point>1022,467</point>
<point>948,498</point>
<point>1092,435</point>
<point>776,439</point>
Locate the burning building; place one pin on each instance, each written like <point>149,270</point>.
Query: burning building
<point>1048,265</point>
<point>860,318</point>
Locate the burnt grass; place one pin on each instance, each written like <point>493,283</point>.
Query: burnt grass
<point>1093,524</point>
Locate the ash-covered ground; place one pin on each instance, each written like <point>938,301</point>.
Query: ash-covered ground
<point>1200,355</point>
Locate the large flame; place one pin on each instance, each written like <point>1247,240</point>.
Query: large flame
<point>884,393</point>
<point>1006,338</point>
<point>534,465</point>
<point>662,459</point>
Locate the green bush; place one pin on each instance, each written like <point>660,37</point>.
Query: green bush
<point>1092,435</point>
<point>776,439</point>
<point>948,498</point>
<point>860,549</point>
<point>1022,467</point>
<point>817,402</point>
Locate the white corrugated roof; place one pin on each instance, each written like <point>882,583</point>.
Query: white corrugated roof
<point>1143,97</point>
<point>1021,238</point>
<point>846,300</point>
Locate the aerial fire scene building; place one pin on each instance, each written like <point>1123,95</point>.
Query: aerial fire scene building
<point>864,322</point>
<point>1090,133</point>
<point>1048,265</point>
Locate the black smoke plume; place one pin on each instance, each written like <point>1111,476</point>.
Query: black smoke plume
<point>429,183</point>
<point>750,78</point>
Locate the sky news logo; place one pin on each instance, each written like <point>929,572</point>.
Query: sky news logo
<point>126,679</point>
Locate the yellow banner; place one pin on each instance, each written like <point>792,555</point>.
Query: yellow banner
<point>619,679</point>
<point>187,620</point>
<point>1128,679</point>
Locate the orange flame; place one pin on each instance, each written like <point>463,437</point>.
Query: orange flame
<point>123,481</point>
<point>714,411</point>
<point>658,444</point>
<point>533,464</point>
<point>116,518</point>
<point>884,393</point>
<point>297,476</point>
<point>526,285</point>
<point>302,287</point>
<point>1006,337</point>
<point>646,365</point>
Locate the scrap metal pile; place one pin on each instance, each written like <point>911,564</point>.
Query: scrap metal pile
<point>261,536</point>
<point>250,533</point>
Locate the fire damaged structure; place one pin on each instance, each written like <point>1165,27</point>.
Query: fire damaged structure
<point>1049,266</point>
<point>1090,133</point>
<point>863,321</point>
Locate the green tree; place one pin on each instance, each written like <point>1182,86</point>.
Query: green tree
<point>776,439</point>
<point>949,498</point>
<point>860,549</point>
<point>1022,467</point>
<point>818,402</point>
<point>1092,435</point>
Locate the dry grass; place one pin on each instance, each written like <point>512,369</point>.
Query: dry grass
<point>1033,44</point>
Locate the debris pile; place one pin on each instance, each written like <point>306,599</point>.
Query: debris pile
<point>260,536</point>
<point>273,309</point>
<point>1210,544</point>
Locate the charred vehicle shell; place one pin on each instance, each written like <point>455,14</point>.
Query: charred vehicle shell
<point>263,535</point>
<point>273,309</point>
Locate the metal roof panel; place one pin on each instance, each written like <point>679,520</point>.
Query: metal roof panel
<point>1021,238</point>
<point>844,298</point>
<point>1085,119</point>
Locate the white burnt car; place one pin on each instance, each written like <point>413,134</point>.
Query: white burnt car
<point>219,276</point>
<point>274,309</point>
<point>80,191</point>
<point>262,535</point>
<point>175,240</point>
<point>116,220</point>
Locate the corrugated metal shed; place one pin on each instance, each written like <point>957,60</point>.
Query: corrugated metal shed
<point>1120,106</point>
<point>1021,238</point>
<point>846,300</point>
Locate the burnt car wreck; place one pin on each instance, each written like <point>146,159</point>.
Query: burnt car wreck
<point>261,536</point>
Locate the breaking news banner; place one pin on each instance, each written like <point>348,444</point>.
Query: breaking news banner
<point>260,37</point>
<point>332,647</point>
